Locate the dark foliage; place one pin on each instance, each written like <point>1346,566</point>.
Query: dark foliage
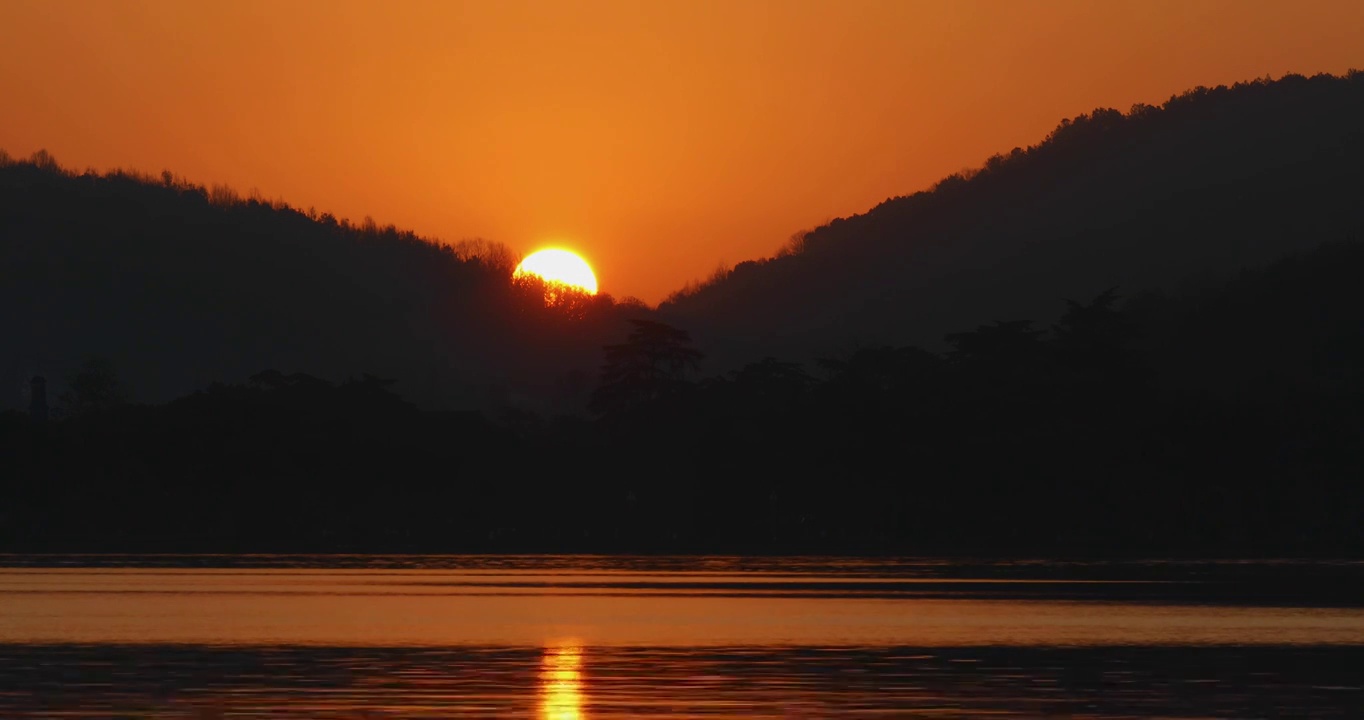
<point>651,366</point>
<point>1019,441</point>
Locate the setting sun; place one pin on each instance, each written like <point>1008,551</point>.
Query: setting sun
<point>559,266</point>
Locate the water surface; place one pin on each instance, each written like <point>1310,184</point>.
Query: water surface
<point>600,637</point>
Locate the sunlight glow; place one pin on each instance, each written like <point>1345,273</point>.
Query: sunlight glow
<point>559,266</point>
<point>561,693</point>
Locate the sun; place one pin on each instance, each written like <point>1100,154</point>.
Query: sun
<point>559,266</point>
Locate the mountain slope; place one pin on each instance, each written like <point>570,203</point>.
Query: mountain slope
<point>178,286</point>
<point>1157,199</point>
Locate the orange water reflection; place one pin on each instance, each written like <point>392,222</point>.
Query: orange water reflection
<point>524,608</point>
<point>561,683</point>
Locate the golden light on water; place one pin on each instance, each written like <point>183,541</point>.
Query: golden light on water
<point>561,683</point>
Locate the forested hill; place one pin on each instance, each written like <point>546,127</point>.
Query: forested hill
<point>176,286</point>
<point>1225,418</point>
<point>1163,199</point>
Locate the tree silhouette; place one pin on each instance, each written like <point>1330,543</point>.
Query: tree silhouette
<point>1096,341</point>
<point>93,388</point>
<point>878,370</point>
<point>1001,344</point>
<point>772,379</point>
<point>560,298</point>
<point>653,363</point>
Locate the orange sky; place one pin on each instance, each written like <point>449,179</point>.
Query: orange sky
<point>658,138</point>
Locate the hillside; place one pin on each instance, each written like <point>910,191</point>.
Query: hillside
<point>1159,199</point>
<point>177,286</point>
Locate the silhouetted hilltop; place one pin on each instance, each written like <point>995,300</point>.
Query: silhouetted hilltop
<point>178,286</point>
<point>1160,199</point>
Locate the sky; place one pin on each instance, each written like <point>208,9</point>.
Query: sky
<point>659,139</point>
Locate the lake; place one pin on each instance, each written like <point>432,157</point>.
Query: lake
<point>615,637</point>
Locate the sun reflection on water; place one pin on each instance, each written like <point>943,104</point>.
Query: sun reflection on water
<point>561,683</point>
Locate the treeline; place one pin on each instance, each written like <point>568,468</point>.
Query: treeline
<point>1019,439</point>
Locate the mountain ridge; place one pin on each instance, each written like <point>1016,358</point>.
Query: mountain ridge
<point>181,285</point>
<point>1145,201</point>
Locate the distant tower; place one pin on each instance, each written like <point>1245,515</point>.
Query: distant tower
<point>37,398</point>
